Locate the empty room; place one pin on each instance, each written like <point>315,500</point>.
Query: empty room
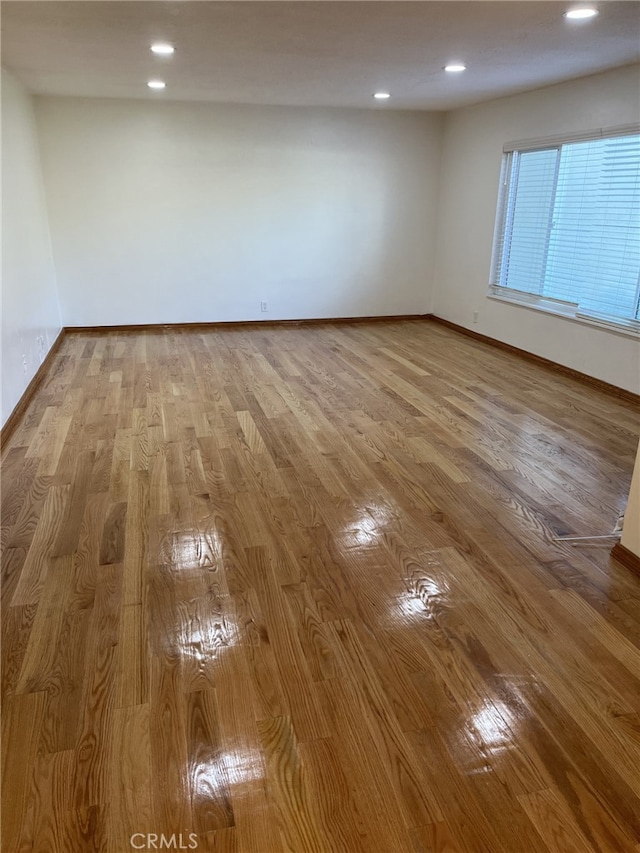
<point>320,517</point>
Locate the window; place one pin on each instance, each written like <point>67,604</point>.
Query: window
<point>568,228</point>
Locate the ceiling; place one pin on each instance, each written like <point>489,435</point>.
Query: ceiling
<point>312,53</point>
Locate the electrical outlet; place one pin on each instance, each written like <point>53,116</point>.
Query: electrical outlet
<point>475,316</point>
<point>24,363</point>
<point>263,307</point>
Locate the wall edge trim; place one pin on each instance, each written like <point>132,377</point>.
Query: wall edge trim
<point>623,555</point>
<point>572,373</point>
<point>9,426</point>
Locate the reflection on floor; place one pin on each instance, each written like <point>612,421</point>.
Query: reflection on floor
<point>296,589</point>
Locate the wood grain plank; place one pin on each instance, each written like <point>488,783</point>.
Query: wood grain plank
<point>22,717</point>
<point>298,588</point>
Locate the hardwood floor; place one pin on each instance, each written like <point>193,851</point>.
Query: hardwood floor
<point>297,590</point>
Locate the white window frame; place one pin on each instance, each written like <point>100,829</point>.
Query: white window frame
<point>527,299</point>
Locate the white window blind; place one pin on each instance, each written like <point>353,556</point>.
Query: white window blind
<point>568,226</point>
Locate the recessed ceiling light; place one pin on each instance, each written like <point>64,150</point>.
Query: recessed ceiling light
<point>581,14</point>
<point>382,96</point>
<point>162,48</point>
<point>455,67</point>
<point>156,84</point>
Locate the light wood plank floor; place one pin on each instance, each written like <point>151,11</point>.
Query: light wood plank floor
<point>297,589</point>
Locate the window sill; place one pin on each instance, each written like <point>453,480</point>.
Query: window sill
<point>566,310</point>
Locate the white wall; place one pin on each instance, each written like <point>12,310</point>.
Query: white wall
<point>177,212</point>
<point>30,310</point>
<point>471,155</point>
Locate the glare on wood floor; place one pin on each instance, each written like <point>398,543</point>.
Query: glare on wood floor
<point>299,589</point>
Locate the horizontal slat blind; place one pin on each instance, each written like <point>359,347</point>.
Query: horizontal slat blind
<point>570,227</point>
<point>528,220</point>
